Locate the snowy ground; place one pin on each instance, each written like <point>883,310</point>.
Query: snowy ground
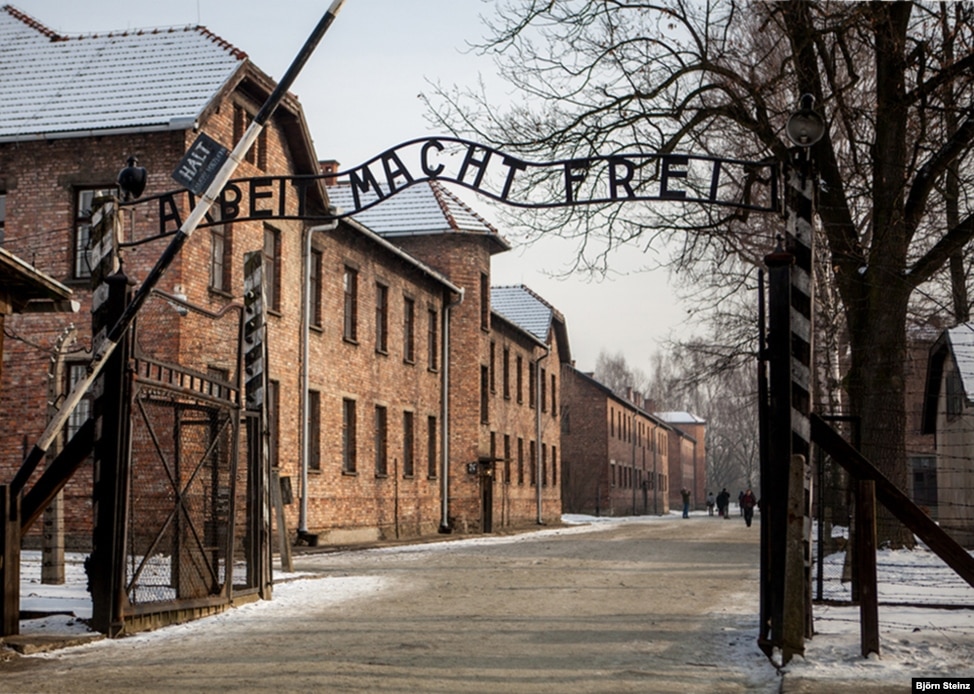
<point>915,641</point>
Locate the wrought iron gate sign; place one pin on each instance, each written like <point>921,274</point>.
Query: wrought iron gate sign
<point>199,166</point>
<point>490,172</point>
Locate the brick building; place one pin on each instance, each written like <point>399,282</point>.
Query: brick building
<point>70,116</point>
<point>505,348</point>
<point>688,456</point>
<point>617,457</point>
<point>425,409</point>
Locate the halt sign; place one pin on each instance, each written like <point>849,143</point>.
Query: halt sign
<point>199,166</point>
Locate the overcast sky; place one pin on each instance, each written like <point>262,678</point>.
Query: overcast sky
<point>360,95</point>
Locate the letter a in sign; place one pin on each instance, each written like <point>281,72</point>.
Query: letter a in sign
<point>199,166</point>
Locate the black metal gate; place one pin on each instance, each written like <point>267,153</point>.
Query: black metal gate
<point>184,473</point>
<point>193,503</point>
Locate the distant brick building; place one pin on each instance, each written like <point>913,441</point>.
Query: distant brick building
<point>617,457</point>
<point>688,457</point>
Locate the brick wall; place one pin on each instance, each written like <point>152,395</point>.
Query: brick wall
<point>611,449</point>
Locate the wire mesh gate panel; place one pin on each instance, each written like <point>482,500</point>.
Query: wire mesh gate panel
<point>188,529</point>
<point>184,474</point>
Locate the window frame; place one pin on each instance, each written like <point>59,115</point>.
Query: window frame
<point>272,268</point>
<point>408,444</point>
<point>381,437</point>
<point>409,330</point>
<point>381,318</point>
<point>349,437</point>
<point>316,287</point>
<point>433,339</point>
<point>314,430</point>
<point>81,229</point>
<point>432,467</point>
<point>350,304</point>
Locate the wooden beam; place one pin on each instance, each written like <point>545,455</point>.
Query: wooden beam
<point>57,474</point>
<point>9,562</point>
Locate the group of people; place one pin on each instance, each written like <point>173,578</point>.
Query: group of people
<point>746,501</point>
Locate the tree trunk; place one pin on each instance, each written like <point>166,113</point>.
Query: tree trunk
<point>877,391</point>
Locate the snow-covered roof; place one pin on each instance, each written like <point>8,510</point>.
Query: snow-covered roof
<point>22,283</point>
<point>962,346</point>
<point>680,417</point>
<point>421,209</point>
<point>145,79</point>
<point>525,309</point>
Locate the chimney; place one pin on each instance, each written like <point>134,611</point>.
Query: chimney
<point>329,166</point>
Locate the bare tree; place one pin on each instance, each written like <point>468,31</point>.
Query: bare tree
<point>614,372</point>
<point>893,79</point>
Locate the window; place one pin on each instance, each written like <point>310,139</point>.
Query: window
<point>520,461</point>
<point>349,445</point>
<point>408,444</point>
<point>484,402</point>
<point>532,383</point>
<point>431,447</point>
<point>432,339</point>
<point>220,256</point>
<point>350,283</point>
<point>84,207</point>
<point>533,462</point>
<point>506,372</point>
<point>519,388</point>
<point>554,403</point>
<point>314,430</point>
<point>554,466</point>
<point>955,394</point>
<point>507,459</point>
<point>484,302</point>
<point>544,465</point>
<point>76,372</point>
<point>257,154</point>
<point>493,351</point>
<point>315,289</point>
<point>274,420</point>
<point>544,393</point>
<point>381,318</point>
<point>3,215</point>
<point>408,330</point>
<point>381,441</point>
<point>272,268</point>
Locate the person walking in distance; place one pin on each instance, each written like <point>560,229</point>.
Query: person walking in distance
<point>723,502</point>
<point>748,502</point>
<point>710,503</point>
<point>685,493</point>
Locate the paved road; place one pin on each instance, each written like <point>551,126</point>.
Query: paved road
<point>661,606</point>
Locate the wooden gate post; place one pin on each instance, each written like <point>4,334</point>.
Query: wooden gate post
<point>9,561</point>
<point>109,410</point>
<point>866,562</point>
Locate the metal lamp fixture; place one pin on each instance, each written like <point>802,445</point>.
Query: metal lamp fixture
<point>805,127</point>
<point>132,180</point>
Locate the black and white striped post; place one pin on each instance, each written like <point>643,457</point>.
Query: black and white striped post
<point>785,485</point>
<point>213,188</point>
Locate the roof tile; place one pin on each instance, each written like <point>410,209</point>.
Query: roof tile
<point>57,86</point>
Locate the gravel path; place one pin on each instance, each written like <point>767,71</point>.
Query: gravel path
<point>660,606</point>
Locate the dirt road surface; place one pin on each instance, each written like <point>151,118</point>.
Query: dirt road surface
<point>661,606</point>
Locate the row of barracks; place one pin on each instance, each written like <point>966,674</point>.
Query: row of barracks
<point>406,394</point>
